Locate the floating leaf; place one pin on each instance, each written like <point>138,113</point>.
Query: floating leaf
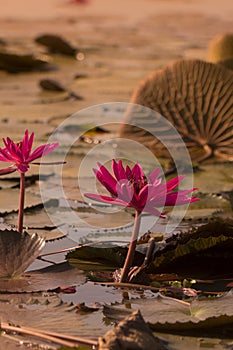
<point>48,312</point>
<point>18,251</point>
<point>169,315</point>
<point>210,205</point>
<point>221,178</point>
<point>50,234</point>
<point>99,258</point>
<point>206,250</point>
<point>9,183</point>
<point>37,220</point>
<point>49,278</point>
<point>12,195</point>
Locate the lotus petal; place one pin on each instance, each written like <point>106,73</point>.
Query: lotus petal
<point>18,251</point>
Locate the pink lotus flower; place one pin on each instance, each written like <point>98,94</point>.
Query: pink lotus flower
<point>21,154</point>
<point>129,187</point>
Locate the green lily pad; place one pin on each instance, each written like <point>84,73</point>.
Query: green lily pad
<point>209,205</point>
<point>221,175</point>
<point>102,258</point>
<point>204,251</point>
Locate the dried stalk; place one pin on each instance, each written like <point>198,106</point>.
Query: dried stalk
<point>61,339</point>
<point>68,337</point>
<point>139,286</point>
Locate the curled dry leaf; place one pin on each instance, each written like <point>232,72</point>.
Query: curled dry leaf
<point>18,251</point>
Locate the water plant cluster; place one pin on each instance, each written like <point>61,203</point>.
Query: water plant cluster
<point>173,269</point>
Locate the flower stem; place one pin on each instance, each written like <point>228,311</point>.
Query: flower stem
<point>21,202</point>
<point>130,255</point>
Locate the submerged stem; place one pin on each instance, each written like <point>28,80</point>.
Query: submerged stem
<point>21,202</point>
<point>132,246</point>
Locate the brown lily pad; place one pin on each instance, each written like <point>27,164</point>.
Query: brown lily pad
<point>12,202</point>
<point>172,315</point>
<point>47,279</point>
<point>37,220</point>
<point>195,97</point>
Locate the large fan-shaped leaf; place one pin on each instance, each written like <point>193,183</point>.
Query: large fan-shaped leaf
<point>195,97</point>
<point>18,251</point>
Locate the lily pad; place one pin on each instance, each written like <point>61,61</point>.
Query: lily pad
<point>12,195</point>
<point>221,177</point>
<point>37,220</point>
<point>9,183</point>
<point>47,279</point>
<point>104,258</point>
<point>48,312</point>
<point>204,251</point>
<point>169,315</point>
<point>208,206</point>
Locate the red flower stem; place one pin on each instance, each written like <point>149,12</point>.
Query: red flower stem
<point>21,202</point>
<point>130,255</point>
